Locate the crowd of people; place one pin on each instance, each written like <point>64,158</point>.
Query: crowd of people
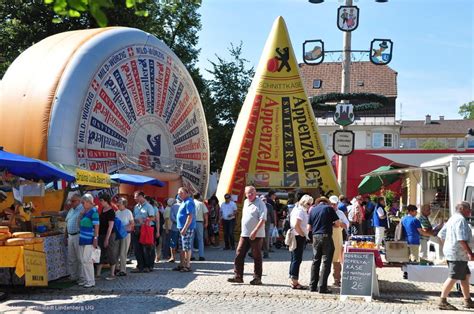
<point>187,224</point>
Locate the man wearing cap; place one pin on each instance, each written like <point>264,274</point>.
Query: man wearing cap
<point>228,212</point>
<point>254,214</point>
<point>322,218</point>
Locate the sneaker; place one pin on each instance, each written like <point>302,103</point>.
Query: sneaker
<point>110,278</point>
<point>89,285</point>
<point>81,283</point>
<point>235,280</point>
<point>256,282</point>
<point>202,259</point>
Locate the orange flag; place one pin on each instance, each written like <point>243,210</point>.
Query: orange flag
<point>276,143</point>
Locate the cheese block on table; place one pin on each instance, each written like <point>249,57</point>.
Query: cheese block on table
<point>4,229</point>
<point>13,241</point>
<point>23,235</point>
<point>38,240</point>
<point>4,236</point>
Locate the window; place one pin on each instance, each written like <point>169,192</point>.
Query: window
<point>325,139</point>
<point>470,143</point>
<point>451,143</point>
<point>460,143</point>
<point>317,84</point>
<point>381,140</point>
<point>408,143</point>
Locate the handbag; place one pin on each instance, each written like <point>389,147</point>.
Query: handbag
<point>95,256</point>
<point>146,233</point>
<point>290,240</point>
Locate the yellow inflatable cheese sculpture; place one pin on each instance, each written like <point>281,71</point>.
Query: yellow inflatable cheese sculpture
<point>110,99</point>
<point>276,143</point>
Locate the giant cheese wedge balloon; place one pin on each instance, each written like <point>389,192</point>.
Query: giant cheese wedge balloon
<point>276,143</point>
<point>111,99</point>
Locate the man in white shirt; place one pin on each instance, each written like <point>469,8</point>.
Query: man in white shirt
<point>228,212</point>
<point>201,224</point>
<point>254,214</point>
<point>456,234</point>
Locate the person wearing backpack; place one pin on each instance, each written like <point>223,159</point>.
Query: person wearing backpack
<point>126,218</point>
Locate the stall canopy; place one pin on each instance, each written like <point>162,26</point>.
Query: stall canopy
<point>378,178</point>
<point>134,179</point>
<point>32,169</point>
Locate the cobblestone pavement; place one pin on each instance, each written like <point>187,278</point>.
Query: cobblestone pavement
<point>206,289</point>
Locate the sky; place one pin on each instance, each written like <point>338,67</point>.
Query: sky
<point>432,42</point>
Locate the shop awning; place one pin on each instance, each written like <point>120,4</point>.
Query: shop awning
<point>379,179</point>
<point>32,169</point>
<point>135,179</point>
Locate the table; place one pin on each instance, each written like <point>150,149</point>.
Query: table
<point>377,257</point>
<point>436,273</point>
<point>56,259</point>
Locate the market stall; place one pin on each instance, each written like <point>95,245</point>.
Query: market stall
<point>30,244</point>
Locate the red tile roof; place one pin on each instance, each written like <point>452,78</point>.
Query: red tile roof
<point>378,79</point>
<point>454,127</point>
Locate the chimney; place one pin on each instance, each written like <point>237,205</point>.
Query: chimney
<point>427,119</point>
<point>441,118</point>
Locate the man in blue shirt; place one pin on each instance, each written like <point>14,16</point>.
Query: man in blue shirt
<point>186,223</point>
<point>412,230</point>
<point>321,220</point>
<point>144,254</point>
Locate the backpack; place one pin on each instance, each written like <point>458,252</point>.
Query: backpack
<point>119,228</point>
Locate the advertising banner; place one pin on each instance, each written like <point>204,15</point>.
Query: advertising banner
<point>276,143</point>
<point>36,273</point>
<point>91,178</point>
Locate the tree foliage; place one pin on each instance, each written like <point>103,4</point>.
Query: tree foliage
<point>433,144</point>
<point>228,87</point>
<point>24,23</point>
<point>467,110</point>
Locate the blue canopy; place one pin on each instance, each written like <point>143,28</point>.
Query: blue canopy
<point>135,179</point>
<point>32,169</point>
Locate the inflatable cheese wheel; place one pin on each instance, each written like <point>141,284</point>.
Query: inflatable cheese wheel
<point>112,99</point>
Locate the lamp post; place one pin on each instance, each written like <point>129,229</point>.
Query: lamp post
<point>345,88</point>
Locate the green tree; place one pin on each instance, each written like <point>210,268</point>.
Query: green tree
<point>228,87</point>
<point>24,23</point>
<point>467,110</point>
<point>433,144</point>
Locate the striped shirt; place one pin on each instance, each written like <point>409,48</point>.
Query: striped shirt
<point>88,221</point>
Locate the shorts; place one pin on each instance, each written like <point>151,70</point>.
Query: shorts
<point>174,239</point>
<point>458,270</point>
<point>186,240</point>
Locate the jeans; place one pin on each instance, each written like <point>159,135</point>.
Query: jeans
<point>199,235</point>
<point>229,233</point>
<point>323,250</point>
<point>297,257</point>
<point>165,248</point>
<point>138,249</point>
<point>266,240</point>
<point>244,245</point>
<point>145,254</point>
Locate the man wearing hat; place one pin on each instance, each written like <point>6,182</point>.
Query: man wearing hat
<point>322,218</point>
<point>228,212</point>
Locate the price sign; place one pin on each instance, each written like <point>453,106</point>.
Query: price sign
<point>358,272</point>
